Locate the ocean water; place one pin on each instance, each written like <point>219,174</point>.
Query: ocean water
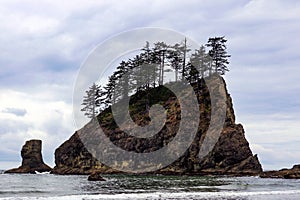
<point>54,187</point>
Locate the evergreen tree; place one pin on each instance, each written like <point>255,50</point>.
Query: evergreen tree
<point>117,87</point>
<point>176,59</point>
<point>110,90</point>
<point>185,50</point>
<point>181,52</point>
<point>155,61</point>
<point>192,74</point>
<point>218,54</point>
<point>137,77</point>
<point>149,66</point>
<point>123,72</point>
<point>146,64</point>
<point>93,101</point>
<point>161,52</point>
<point>200,60</point>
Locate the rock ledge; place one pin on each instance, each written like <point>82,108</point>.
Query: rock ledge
<point>293,173</point>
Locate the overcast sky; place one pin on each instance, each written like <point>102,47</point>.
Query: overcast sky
<point>42,46</point>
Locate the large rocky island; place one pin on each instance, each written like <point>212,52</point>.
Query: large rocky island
<point>218,146</point>
<point>230,156</point>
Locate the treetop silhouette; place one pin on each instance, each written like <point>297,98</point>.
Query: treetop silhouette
<point>148,70</point>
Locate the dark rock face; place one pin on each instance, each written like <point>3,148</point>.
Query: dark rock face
<point>95,177</point>
<point>73,158</point>
<point>231,155</point>
<point>32,160</point>
<point>293,173</point>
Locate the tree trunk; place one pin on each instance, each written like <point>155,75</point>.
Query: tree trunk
<point>184,57</point>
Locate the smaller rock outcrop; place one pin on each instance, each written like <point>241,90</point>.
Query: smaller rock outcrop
<point>293,173</point>
<point>95,177</point>
<point>32,160</point>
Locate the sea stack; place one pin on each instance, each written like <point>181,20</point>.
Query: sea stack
<point>32,160</point>
<point>231,155</point>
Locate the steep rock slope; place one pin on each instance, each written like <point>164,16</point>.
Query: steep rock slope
<point>231,155</point>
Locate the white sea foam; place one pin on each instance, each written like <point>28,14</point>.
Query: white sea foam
<point>36,172</point>
<point>290,194</point>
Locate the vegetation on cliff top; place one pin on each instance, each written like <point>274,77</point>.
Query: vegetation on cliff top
<point>149,69</point>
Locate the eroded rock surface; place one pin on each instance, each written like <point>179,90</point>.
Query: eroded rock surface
<point>32,160</point>
<point>231,155</point>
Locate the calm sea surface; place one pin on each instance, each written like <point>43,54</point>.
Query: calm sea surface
<point>47,186</point>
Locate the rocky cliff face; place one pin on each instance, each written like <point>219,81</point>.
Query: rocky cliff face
<point>231,155</point>
<point>32,160</point>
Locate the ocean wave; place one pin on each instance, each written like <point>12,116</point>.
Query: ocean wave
<point>36,172</point>
<point>13,192</point>
<point>291,194</point>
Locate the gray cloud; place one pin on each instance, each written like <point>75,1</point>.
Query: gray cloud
<point>15,111</point>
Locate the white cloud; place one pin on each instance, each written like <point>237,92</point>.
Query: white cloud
<point>46,119</point>
<point>264,10</point>
<point>274,137</point>
<point>15,111</point>
<point>276,156</point>
<point>9,164</point>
